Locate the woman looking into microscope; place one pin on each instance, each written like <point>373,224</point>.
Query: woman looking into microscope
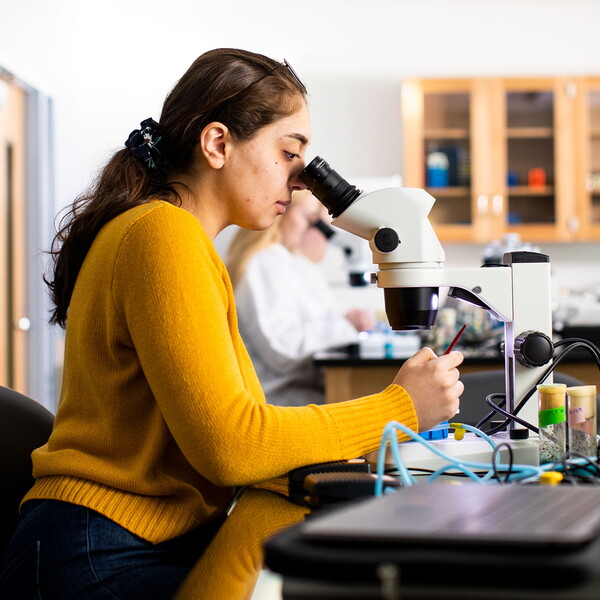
<point>161,415</point>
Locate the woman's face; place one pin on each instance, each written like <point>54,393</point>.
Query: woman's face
<point>263,172</point>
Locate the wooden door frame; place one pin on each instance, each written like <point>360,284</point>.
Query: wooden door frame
<point>13,278</point>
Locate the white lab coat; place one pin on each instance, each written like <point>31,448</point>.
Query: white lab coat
<point>286,313</point>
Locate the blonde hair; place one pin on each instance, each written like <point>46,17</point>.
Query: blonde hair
<point>245,244</point>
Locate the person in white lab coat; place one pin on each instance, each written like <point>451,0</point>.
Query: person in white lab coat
<point>286,309</point>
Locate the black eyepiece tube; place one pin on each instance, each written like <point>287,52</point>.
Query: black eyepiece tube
<point>326,184</point>
<point>327,231</point>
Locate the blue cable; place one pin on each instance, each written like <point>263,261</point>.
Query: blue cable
<point>515,470</point>
<point>457,467</point>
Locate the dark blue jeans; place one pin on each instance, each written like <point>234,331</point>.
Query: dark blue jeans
<point>61,551</point>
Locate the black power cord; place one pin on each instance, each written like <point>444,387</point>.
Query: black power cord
<point>496,455</point>
<point>575,472</point>
<point>571,344</point>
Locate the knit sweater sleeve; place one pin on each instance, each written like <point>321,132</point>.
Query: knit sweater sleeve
<point>172,296</point>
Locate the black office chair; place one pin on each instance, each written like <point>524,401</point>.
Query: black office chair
<point>24,425</point>
<point>479,384</point>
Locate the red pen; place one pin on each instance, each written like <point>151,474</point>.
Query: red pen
<point>456,338</point>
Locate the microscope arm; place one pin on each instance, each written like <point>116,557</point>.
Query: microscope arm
<point>491,286</point>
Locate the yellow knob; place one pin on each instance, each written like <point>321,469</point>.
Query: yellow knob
<point>551,478</point>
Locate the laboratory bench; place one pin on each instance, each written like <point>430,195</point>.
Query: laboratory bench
<point>267,522</point>
<point>347,375</point>
<point>272,550</point>
<point>259,554</point>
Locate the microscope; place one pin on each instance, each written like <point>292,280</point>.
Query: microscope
<point>411,271</point>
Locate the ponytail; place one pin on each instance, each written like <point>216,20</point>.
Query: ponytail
<point>123,184</point>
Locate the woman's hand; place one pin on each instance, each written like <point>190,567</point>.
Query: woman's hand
<point>361,320</point>
<point>433,384</point>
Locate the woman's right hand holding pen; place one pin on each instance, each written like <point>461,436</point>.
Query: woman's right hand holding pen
<point>433,384</point>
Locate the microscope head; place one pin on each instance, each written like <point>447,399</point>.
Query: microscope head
<point>410,270</point>
<point>395,223</point>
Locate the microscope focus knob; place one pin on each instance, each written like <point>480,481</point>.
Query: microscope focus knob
<point>533,349</point>
<point>386,240</point>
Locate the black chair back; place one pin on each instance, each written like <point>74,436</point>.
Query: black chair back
<point>24,426</point>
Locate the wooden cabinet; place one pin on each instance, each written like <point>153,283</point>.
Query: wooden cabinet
<point>354,380</point>
<point>514,149</point>
<point>588,158</point>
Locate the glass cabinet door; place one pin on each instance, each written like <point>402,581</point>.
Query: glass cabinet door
<point>539,146</point>
<point>437,122</point>
<point>530,140</point>
<point>447,156</point>
<point>589,177</point>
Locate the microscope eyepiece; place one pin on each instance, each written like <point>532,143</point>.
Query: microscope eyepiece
<point>326,184</point>
<point>407,308</point>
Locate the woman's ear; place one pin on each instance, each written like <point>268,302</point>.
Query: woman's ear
<point>213,140</point>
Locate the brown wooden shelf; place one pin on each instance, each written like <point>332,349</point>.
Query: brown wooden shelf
<point>525,190</point>
<point>446,134</point>
<point>516,133</point>
<point>449,192</point>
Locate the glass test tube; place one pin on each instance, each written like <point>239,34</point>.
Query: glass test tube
<point>581,409</point>
<point>552,421</point>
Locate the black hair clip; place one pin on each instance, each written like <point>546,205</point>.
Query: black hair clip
<point>144,143</point>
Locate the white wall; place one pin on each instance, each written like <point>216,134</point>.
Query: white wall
<point>108,64</point>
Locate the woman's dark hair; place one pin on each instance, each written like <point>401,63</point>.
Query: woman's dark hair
<point>243,90</point>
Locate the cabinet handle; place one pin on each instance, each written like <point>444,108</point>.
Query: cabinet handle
<point>497,204</point>
<point>573,223</point>
<point>482,203</point>
<point>592,182</point>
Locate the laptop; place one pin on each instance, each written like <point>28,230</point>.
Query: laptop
<point>466,514</point>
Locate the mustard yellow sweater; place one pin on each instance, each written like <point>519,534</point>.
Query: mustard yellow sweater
<point>161,413</point>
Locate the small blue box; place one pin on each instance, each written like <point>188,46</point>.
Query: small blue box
<point>437,434</point>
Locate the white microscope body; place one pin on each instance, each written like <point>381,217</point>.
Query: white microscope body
<point>409,256</point>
